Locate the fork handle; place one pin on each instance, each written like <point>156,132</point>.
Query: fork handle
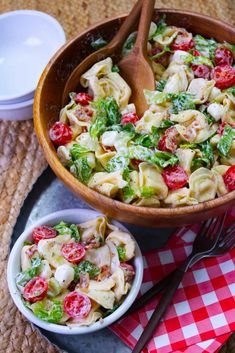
<point>159,311</point>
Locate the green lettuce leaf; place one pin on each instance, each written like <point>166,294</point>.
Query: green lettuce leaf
<point>225,142</point>
<point>64,228</point>
<point>25,276</point>
<point>99,43</point>
<point>121,253</point>
<point>85,266</point>
<point>48,311</point>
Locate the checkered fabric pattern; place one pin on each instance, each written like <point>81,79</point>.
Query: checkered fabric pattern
<point>202,315</point>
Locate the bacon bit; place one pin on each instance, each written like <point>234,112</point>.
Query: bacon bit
<point>92,244</point>
<point>104,273</point>
<point>31,251</point>
<point>84,113</point>
<point>84,280</point>
<point>109,148</point>
<point>72,286</point>
<point>101,320</point>
<point>84,129</point>
<point>135,163</point>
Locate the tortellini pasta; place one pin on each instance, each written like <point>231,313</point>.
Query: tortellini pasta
<point>86,263</point>
<point>203,184</point>
<point>104,83</point>
<point>166,156</point>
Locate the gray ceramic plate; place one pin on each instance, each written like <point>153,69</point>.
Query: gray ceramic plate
<point>50,195</point>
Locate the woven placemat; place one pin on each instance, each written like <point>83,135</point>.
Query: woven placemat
<point>22,161</point>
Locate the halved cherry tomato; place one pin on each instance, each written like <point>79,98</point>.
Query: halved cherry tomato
<point>183,41</point>
<point>60,133</point>
<point>201,71</point>
<point>196,53</point>
<point>77,305</point>
<point>175,177</point>
<point>224,76</point>
<point>223,56</point>
<point>163,59</point>
<point>129,271</point>
<point>83,98</point>
<point>220,130</point>
<point>168,142</point>
<point>73,252</point>
<point>129,118</point>
<point>35,290</point>
<point>229,178</point>
<point>43,232</point>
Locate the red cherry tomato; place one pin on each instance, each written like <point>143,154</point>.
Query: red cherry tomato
<point>201,71</point>
<point>223,56</point>
<point>175,177</point>
<point>35,290</point>
<point>129,271</point>
<point>77,305</point>
<point>129,118</point>
<point>224,76</point>
<point>43,232</point>
<point>73,252</point>
<point>220,130</point>
<point>60,133</point>
<point>196,53</point>
<point>83,98</point>
<point>183,41</point>
<point>163,59</point>
<point>229,178</point>
<point>168,142</point>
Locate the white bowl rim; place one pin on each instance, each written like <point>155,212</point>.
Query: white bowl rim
<point>62,329</point>
<point>16,106</point>
<point>26,96</point>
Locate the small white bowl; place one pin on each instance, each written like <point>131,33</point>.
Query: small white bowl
<point>28,40</point>
<point>70,216</point>
<point>17,111</point>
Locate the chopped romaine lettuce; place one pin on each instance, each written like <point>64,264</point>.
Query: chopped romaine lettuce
<point>77,151</point>
<point>117,163</point>
<point>49,311</point>
<point>164,159</point>
<point>64,228</point>
<point>129,44</point>
<point>25,276</point>
<point>225,142</point>
<point>121,253</point>
<point>205,47</point>
<point>81,169</point>
<point>85,266</point>
<point>99,43</point>
<point>161,85</point>
<point>147,191</point>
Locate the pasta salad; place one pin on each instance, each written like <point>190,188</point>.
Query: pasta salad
<point>182,150</point>
<point>75,275</point>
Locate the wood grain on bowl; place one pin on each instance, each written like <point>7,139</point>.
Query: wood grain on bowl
<point>48,102</point>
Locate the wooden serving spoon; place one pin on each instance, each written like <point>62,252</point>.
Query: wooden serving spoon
<point>112,48</point>
<point>135,68</point>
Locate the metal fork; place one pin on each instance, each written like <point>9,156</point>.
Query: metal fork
<point>226,243</point>
<point>205,242</point>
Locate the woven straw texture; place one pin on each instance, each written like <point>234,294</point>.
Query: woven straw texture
<point>22,161</point>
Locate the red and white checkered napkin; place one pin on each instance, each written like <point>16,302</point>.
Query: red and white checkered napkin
<point>202,315</point>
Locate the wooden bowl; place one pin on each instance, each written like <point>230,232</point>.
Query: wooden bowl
<point>48,104</point>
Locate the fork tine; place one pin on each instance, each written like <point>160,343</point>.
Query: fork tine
<point>216,226</point>
<point>204,228</point>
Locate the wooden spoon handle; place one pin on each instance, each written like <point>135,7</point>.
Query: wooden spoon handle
<point>144,24</point>
<point>127,26</point>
